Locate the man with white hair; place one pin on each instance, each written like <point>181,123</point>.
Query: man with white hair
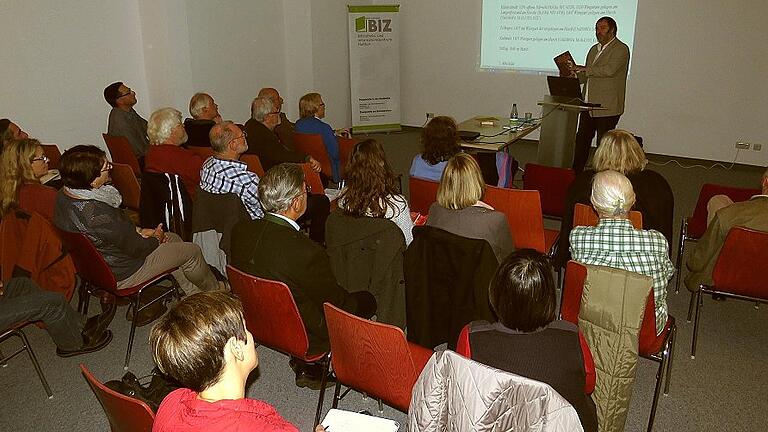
<point>205,114</point>
<point>165,154</point>
<point>284,129</point>
<point>614,242</point>
<point>750,214</point>
<point>264,142</point>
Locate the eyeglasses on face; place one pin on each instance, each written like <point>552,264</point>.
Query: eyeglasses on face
<point>129,91</point>
<point>107,167</point>
<point>43,158</point>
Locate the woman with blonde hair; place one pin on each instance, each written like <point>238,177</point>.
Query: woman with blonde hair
<point>619,151</point>
<point>22,164</point>
<point>311,111</point>
<point>372,188</point>
<point>459,208</point>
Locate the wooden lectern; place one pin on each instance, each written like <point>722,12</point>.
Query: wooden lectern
<point>557,138</point>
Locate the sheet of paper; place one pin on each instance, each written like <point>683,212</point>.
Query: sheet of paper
<point>347,421</point>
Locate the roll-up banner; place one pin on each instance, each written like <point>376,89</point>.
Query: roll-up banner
<point>374,67</point>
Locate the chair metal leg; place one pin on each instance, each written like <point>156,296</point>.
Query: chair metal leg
<point>699,304</point>
<point>136,303</point>
<point>657,391</point>
<point>326,362</point>
<point>381,407</point>
<point>336,397</point>
<point>33,358</point>
<point>671,354</point>
<point>690,305</point>
<point>680,253</point>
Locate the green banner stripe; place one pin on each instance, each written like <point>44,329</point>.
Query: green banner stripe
<point>374,8</point>
<point>390,126</point>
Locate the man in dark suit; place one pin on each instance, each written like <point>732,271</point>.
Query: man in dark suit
<point>265,143</point>
<point>205,114</point>
<point>274,248</point>
<point>605,78</point>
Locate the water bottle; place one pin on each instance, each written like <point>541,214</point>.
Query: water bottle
<point>513,116</point>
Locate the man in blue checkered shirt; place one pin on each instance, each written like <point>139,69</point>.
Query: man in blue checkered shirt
<point>223,173</point>
<point>614,242</point>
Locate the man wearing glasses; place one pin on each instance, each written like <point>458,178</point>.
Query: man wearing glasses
<point>265,143</point>
<point>284,130</point>
<point>123,119</point>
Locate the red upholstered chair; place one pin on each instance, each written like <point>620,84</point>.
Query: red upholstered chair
<point>659,348</point>
<point>96,276</point>
<point>584,215</point>
<point>272,316</point>
<point>423,193</point>
<point>122,152</point>
<point>125,414</point>
<point>738,272</point>
<point>254,164</point>
<point>35,197</point>
<point>205,152</point>
<point>552,184</point>
<point>312,144</point>
<point>523,211</point>
<point>373,358</point>
<point>312,179</point>
<point>693,227</point>
<point>125,181</point>
<point>346,146</point>
<point>16,330</point>
<point>53,153</point>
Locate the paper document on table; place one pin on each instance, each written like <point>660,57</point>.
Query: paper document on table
<point>347,421</point>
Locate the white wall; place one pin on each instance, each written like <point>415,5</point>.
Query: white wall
<point>695,88</point>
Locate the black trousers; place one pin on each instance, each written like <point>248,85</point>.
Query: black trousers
<point>318,208</point>
<point>588,125</point>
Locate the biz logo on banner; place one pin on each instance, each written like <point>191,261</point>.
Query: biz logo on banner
<point>370,25</point>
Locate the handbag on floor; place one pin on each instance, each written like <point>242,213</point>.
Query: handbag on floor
<point>152,394</point>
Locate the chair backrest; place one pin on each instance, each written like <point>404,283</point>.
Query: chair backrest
<point>271,313</point>
<point>125,414</point>
<point>53,153</point>
<point>254,164</point>
<point>423,193</point>
<point>205,152</point>
<point>552,183</point>
<point>35,197</point>
<point>570,305</point>
<point>698,222</point>
<point>584,215</point>
<point>346,146</point>
<point>122,152</point>
<point>164,199</point>
<point>312,179</point>
<point>523,211</point>
<point>124,179</point>
<point>312,144</point>
<point>371,357</point>
<point>739,267</point>
<point>89,263</point>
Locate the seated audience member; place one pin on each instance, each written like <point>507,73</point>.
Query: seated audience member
<point>527,339</point>
<point>224,173</point>
<point>440,139</point>
<point>203,344</point>
<point>372,190</point>
<point>460,211</point>
<point>284,130</point>
<point>165,154</point>
<point>205,114</point>
<point>124,121</point>
<point>614,242</point>
<point>22,164</point>
<point>311,110</point>
<point>750,214</point>
<point>10,131</point>
<point>22,300</point>
<point>88,205</point>
<point>264,142</point>
<point>273,248</point>
<point>619,151</point>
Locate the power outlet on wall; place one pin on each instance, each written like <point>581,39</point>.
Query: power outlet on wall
<point>742,145</point>
<point>757,147</point>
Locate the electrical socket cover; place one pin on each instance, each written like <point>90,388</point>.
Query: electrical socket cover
<point>742,145</point>
<point>757,147</point>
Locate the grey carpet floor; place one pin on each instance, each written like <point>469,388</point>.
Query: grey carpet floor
<point>723,389</point>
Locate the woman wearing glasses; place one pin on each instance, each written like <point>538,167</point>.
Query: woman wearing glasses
<point>22,165</point>
<point>89,205</point>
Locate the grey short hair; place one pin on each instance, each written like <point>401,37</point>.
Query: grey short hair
<point>161,123</point>
<point>279,186</point>
<point>198,103</point>
<point>261,107</point>
<point>612,193</point>
<point>220,136</point>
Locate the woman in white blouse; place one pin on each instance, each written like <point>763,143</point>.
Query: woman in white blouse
<point>372,190</point>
